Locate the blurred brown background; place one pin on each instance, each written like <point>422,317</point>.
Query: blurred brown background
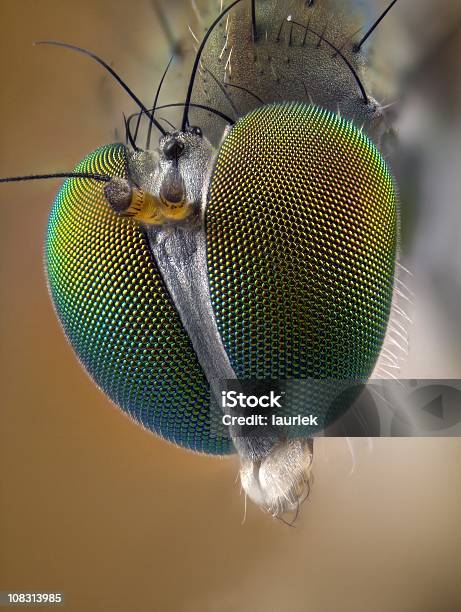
<point>119,520</point>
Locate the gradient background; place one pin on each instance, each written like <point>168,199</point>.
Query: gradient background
<point>117,519</point>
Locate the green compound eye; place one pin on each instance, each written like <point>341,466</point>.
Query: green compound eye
<point>301,230</point>
<point>117,315</point>
<point>301,235</point>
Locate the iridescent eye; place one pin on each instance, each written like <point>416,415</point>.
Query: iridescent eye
<point>301,234</point>
<point>256,242</point>
<point>301,228</point>
<point>118,315</point>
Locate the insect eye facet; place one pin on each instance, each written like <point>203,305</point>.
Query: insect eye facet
<point>301,234</point>
<point>301,228</point>
<point>117,314</point>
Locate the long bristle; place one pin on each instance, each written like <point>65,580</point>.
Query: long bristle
<point>34,177</point>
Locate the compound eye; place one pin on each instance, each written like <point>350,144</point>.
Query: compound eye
<point>173,148</point>
<point>196,131</point>
<point>301,240</point>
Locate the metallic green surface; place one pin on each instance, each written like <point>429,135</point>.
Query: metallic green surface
<point>301,232</point>
<point>115,311</point>
<point>301,228</point>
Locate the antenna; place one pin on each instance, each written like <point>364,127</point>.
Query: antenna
<point>105,178</point>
